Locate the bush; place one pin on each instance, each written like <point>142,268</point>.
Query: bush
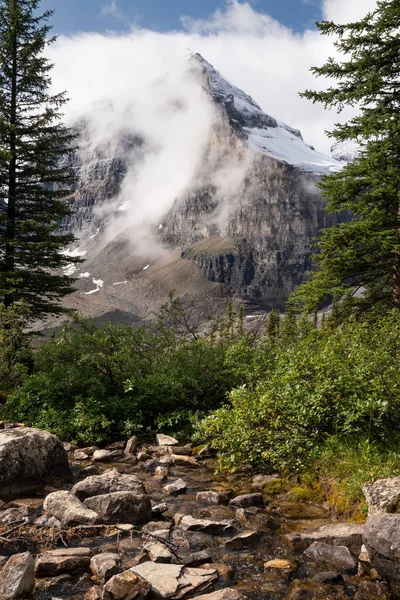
<point>344,383</point>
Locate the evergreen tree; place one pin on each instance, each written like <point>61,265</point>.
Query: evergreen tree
<point>33,184</point>
<point>359,261</point>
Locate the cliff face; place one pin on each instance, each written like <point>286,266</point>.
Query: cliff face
<point>245,225</point>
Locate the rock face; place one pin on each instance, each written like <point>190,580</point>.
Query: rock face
<point>382,540</point>
<point>17,578</point>
<point>29,460</point>
<point>249,235</point>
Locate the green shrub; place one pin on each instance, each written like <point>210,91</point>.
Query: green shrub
<point>344,383</point>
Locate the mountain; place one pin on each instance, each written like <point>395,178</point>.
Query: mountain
<point>242,228</point>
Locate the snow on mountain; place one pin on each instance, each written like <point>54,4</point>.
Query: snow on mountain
<point>263,132</point>
<point>345,152</point>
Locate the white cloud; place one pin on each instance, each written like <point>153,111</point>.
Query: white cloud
<point>143,74</point>
<point>112,10</point>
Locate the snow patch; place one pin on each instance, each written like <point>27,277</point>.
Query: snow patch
<point>120,282</point>
<point>94,235</point>
<point>98,283</point>
<point>69,270</point>
<point>84,275</point>
<point>146,267</point>
<point>74,253</point>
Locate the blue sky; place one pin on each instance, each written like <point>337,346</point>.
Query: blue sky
<point>161,15</point>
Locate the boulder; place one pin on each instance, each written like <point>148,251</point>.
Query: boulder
<point>159,552</point>
<point>335,557</point>
<point>107,455</point>
<point>382,541</point>
<point>143,456</point>
<point>183,450</point>
<point>189,523</point>
<point>175,488</point>
<point>63,560</point>
<point>79,455</point>
<point>175,581</point>
<point>195,559</point>
<point>166,440</point>
<point>211,497</point>
<point>159,509</point>
<point>121,507</point>
<point>243,540</point>
<point>383,495</point>
<point>22,513</point>
<point>259,481</point>
<point>341,534</point>
<point>161,472</point>
<point>131,446</point>
<point>105,565</point>
<point>247,500</point>
<point>184,461</point>
<point>17,577</point>
<point>107,483</point>
<point>68,509</point>
<point>30,459</point>
<point>95,593</point>
<point>126,586</point>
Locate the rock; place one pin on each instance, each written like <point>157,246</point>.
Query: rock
<point>225,594</point>
<point>105,565</point>
<point>120,507</point>
<point>3,560</point>
<point>184,461</point>
<point>205,451</point>
<point>175,488</point>
<point>159,529</point>
<point>89,450</point>
<point>116,445</point>
<point>224,571</point>
<point>68,509</point>
<point>29,460</point>
<point>243,540</point>
<point>211,497</point>
<point>175,581</point>
<point>259,481</point>
<point>246,500</point>
<point>189,523</point>
<point>341,534</point>
<point>46,521</point>
<point>17,577</point>
<point>196,559</point>
<point>107,455</point>
<point>126,586</point>
<point>329,577</point>
<point>382,541</point>
<point>279,563</point>
<point>95,593</point>
<point>143,456</point>
<point>183,450</point>
<point>161,472</point>
<point>63,560</point>
<point>159,552</point>
<point>22,513</point>
<point>383,495</point>
<point>109,482</point>
<point>166,440</point>
<point>159,509</point>
<point>337,557</point>
<point>79,455</point>
<point>131,446</point>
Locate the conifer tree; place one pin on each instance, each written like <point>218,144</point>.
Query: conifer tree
<point>358,261</point>
<point>33,182</point>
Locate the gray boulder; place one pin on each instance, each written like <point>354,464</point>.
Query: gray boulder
<point>340,534</point>
<point>166,440</point>
<point>107,455</point>
<point>383,495</point>
<point>29,460</point>
<point>17,577</point>
<point>121,507</point>
<point>175,488</point>
<point>107,483</point>
<point>189,523</point>
<point>105,565</point>
<point>247,500</point>
<point>382,541</point>
<point>68,509</point>
<point>335,557</point>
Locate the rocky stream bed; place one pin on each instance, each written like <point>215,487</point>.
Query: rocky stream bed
<point>153,521</point>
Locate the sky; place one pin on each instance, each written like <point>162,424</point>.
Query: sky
<point>164,15</point>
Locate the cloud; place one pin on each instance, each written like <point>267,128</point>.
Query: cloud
<point>112,10</point>
<point>142,77</point>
